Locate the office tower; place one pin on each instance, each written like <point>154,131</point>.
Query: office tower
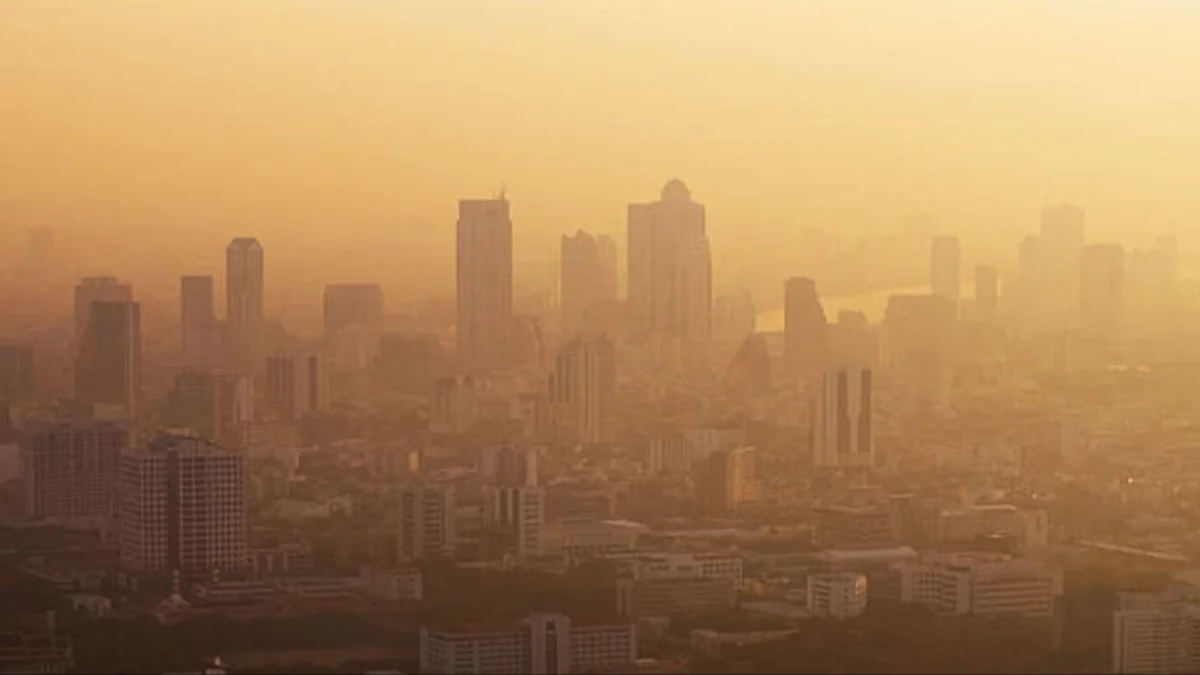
<point>16,373</point>
<point>670,273</point>
<point>295,385</point>
<point>1102,288</point>
<point>734,317</point>
<point>804,328</point>
<point>517,515</point>
<point>587,274</point>
<point>749,373</point>
<point>538,645</point>
<point>244,284</point>
<point>945,268</point>
<point>508,465</point>
<point>583,389</point>
<point>427,527</point>
<point>201,338</point>
<point>183,507</point>
<point>195,403</point>
<point>90,290</point>
<point>1156,632</point>
<point>484,284</point>
<point>987,292</point>
<point>108,370</point>
<point>842,422</point>
<point>71,469</point>
<point>917,341</point>
<point>353,326</point>
<point>1060,249</point>
<point>726,479</point>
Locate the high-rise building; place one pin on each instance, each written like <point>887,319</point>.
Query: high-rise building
<point>670,275</point>
<point>945,268</point>
<point>1060,249</point>
<point>726,481</point>
<point>244,286</point>
<point>517,513</point>
<point>353,325</point>
<point>539,645</point>
<point>1156,633</point>
<point>484,284</point>
<point>1102,288</point>
<point>71,469</point>
<point>805,339</point>
<point>842,425</point>
<point>90,290</point>
<point>295,385</point>
<point>201,336</point>
<point>917,343</point>
<point>16,373</point>
<point>987,292</point>
<point>427,525</point>
<point>583,389</point>
<point>183,507</point>
<point>587,274</point>
<point>108,370</point>
<point>195,403</point>
<point>509,465</point>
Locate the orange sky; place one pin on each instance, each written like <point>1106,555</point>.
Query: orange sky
<point>355,120</point>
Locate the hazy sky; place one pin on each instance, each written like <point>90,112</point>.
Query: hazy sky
<point>360,123</point>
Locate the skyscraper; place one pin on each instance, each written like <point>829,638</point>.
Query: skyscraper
<point>108,370</point>
<point>484,284</point>
<point>842,424</point>
<point>71,469</point>
<point>200,330</point>
<point>427,527</point>
<point>16,373</point>
<point>987,292</point>
<point>295,385</point>
<point>583,389</point>
<point>1060,251</point>
<point>670,275</point>
<point>517,513</point>
<point>587,274</point>
<point>805,340</point>
<point>353,325</point>
<point>1102,288</point>
<point>917,342</point>
<point>945,268</point>
<point>96,289</point>
<point>183,507</point>
<point>244,284</point>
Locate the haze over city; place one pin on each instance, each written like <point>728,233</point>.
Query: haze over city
<point>625,336</point>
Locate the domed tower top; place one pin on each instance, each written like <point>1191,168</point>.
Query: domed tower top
<point>675,191</point>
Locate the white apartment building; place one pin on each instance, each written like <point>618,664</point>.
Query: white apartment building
<point>839,595</point>
<point>987,584</point>
<point>519,511</point>
<point>183,507</point>
<point>1156,633</point>
<point>427,526</point>
<point>542,643</point>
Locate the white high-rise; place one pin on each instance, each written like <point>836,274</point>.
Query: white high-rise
<point>183,507</point>
<point>296,384</point>
<point>583,389</point>
<point>842,421</point>
<point>427,526</point>
<point>484,284</point>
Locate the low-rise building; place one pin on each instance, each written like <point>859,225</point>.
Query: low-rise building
<point>986,584</point>
<point>839,595</point>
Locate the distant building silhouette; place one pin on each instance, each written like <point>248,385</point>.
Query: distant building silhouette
<point>749,373</point>
<point>945,268</point>
<point>201,336</point>
<point>90,290</point>
<point>670,278</point>
<point>108,370</point>
<point>244,290</point>
<point>987,292</point>
<point>1102,288</point>
<point>17,383</point>
<point>587,275</point>
<point>296,384</point>
<point>353,321</point>
<point>805,340</point>
<point>484,284</point>
<point>583,390</point>
<point>917,346</point>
